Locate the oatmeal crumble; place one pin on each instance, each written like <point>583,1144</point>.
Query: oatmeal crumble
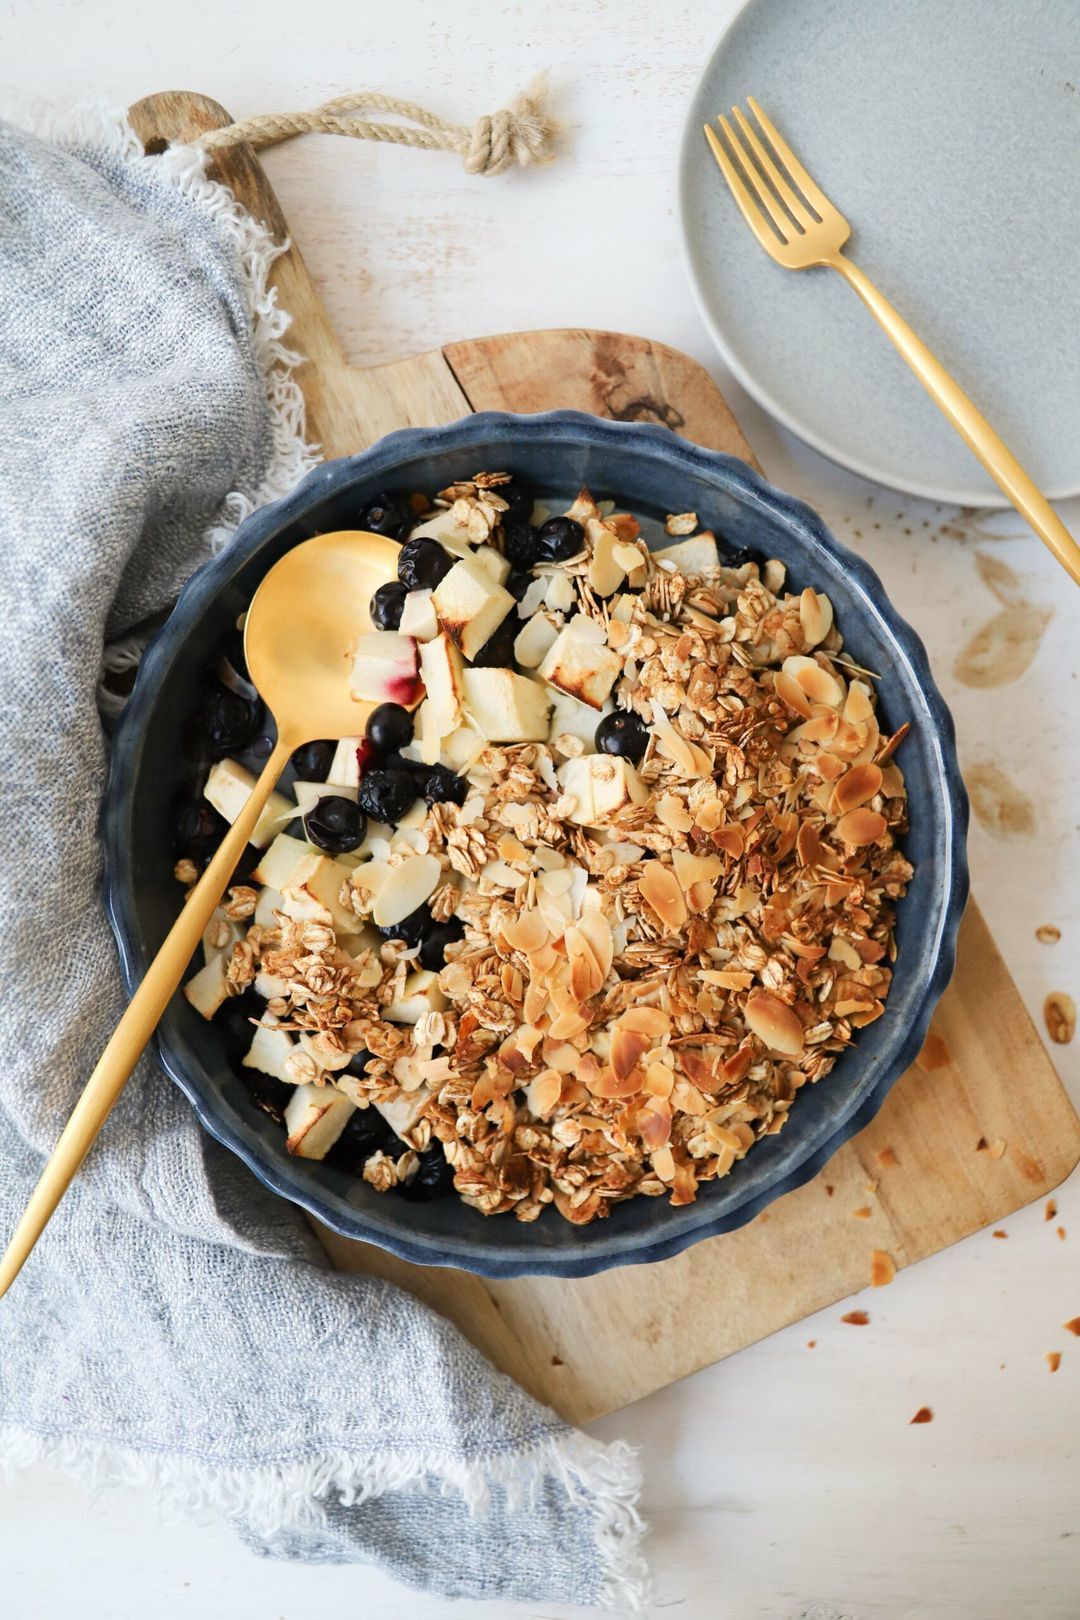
<point>651,957</point>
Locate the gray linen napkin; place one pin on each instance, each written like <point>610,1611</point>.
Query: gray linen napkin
<point>177,1327</point>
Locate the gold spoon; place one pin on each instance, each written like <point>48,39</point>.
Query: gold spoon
<point>298,638</point>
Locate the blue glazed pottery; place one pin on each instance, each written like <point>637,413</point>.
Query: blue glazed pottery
<point>651,472</point>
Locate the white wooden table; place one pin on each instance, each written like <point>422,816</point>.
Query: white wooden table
<point>786,1476</point>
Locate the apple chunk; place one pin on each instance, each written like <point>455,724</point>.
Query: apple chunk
<point>506,707</point>
<point>287,862</point>
<point>600,784</point>
<point>315,1117</point>
<point>269,1051</point>
<point>228,788</point>
<point>581,667</point>
<point>471,606</point>
<point>441,670</point>
<point>208,989</point>
<point>694,556</point>
<point>385,669</point>
<point>420,994</point>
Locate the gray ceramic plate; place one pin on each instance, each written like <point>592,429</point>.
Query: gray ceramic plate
<point>653,472</point>
<point>948,133</point>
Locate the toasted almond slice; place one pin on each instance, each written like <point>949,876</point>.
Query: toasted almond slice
<point>543,1093</point>
<point>774,1023</point>
<point>605,1083</point>
<point>859,704</point>
<point>654,1123</point>
<point>663,1163</point>
<point>651,1021</point>
<point>821,727</point>
<point>808,843</point>
<point>528,932</point>
<point>889,747</point>
<point>731,839</point>
<point>406,887</point>
<point>606,573</point>
<point>536,1002</point>
<point>691,869</point>
<point>790,692</point>
<point>672,812</point>
<point>628,1047</point>
<point>815,616</point>
<point>628,556</point>
<point>571,1021</point>
<point>830,768</point>
<point>659,1080</point>
<point>857,788</point>
<point>882,1268</point>
<point>841,950</point>
<point>816,681</point>
<point>597,930</point>
<point>860,827</point>
<point>727,978</point>
<point>690,759</point>
<point>660,890</point>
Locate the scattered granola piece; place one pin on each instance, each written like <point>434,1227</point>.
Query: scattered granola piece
<point>934,1054</point>
<point>186,872</point>
<point>999,1234</point>
<point>1061,1233</point>
<point>1059,1012</point>
<point>882,1269</point>
<point>981,1145</point>
<point>1050,1211</point>
<point>680,523</point>
<point>856,1318</point>
<point>829,1190</point>
<point>1073,1326</point>
<point>886,1158</point>
<point>811,1344</point>
<point>863,1213</point>
<point>923,1415</point>
<point>557,1361</point>
<point>997,1147</point>
<point>1048,934</point>
<point>1053,1359</point>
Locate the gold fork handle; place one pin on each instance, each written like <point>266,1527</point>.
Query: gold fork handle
<point>970,423</point>
<point>136,1026</point>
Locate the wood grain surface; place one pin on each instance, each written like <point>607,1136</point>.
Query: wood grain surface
<point>656,1324</point>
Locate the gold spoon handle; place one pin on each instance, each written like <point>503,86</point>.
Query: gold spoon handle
<point>137,1025</point>
<point>970,423</point>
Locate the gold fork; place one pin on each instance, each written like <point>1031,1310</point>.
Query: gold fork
<point>799,227</point>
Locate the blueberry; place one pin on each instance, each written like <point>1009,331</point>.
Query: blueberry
<point>560,538</point>
<point>517,583</point>
<point>438,937</point>
<point>521,545</point>
<point>385,795</point>
<point>519,501</point>
<point>422,564</point>
<point>434,1178</point>
<point>365,1133</point>
<point>312,762</point>
<point>199,829</point>
<point>335,824</point>
<point>388,513</point>
<point>230,721</point>
<point>233,1022</point>
<point>270,1095</point>
<point>498,649</point>
<point>411,767</point>
<point>744,554</point>
<point>442,785</point>
<point>623,733</point>
<point>387,605</point>
<point>389,728</point>
<point>411,928</point>
<point>263,746</point>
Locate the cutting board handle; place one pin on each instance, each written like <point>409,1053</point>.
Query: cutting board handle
<point>178,117</point>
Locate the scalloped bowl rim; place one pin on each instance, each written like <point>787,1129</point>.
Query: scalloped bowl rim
<point>279,1174</point>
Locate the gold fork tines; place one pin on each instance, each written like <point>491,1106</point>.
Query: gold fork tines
<point>799,227</point>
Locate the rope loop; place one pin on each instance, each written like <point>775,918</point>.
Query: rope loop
<point>516,136</point>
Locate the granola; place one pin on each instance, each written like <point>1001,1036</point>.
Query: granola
<point>647,948</point>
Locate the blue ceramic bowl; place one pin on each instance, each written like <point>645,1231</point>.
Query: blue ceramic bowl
<point>652,472</point>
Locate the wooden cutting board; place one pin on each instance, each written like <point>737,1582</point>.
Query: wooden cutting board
<point>588,1347</point>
